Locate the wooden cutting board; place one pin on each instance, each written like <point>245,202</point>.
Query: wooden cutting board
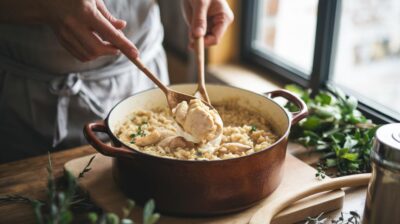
<point>102,190</point>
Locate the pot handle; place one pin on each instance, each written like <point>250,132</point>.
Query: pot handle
<point>298,115</point>
<point>108,150</point>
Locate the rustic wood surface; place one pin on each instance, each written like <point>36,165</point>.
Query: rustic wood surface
<point>297,174</point>
<point>29,177</point>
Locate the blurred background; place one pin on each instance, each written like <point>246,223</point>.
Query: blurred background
<point>352,44</point>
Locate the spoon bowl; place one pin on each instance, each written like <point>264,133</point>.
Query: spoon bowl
<point>173,97</point>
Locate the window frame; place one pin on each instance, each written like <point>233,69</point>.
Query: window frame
<point>327,29</point>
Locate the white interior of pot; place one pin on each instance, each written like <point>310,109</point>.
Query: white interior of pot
<point>147,100</point>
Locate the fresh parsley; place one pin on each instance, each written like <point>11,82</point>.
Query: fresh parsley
<point>253,128</point>
<point>139,133</point>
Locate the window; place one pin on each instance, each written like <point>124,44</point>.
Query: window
<point>368,51</point>
<point>353,44</point>
<point>278,27</point>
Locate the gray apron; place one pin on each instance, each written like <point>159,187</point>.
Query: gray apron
<point>46,95</point>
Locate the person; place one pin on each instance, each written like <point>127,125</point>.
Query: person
<point>63,63</point>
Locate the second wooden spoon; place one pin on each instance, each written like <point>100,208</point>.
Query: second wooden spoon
<point>201,91</point>
<point>173,97</point>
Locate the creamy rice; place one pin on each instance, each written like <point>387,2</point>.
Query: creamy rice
<point>241,125</point>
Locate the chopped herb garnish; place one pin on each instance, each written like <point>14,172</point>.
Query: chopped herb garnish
<point>139,133</point>
<point>253,128</point>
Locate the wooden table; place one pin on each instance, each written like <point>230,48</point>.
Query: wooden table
<point>28,177</point>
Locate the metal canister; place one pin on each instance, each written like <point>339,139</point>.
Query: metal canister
<point>383,195</point>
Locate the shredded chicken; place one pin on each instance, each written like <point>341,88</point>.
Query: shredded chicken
<point>236,147</point>
<point>174,142</point>
<point>198,120</point>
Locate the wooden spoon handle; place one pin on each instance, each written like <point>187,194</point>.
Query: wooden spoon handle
<point>199,55</point>
<point>149,74</point>
<point>265,214</point>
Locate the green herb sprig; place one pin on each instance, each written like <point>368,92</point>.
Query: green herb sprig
<point>336,129</point>
<point>149,216</point>
<point>62,200</point>
<point>345,218</point>
<point>316,220</point>
<point>87,167</point>
<point>139,133</point>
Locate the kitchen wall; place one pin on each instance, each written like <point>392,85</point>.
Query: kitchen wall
<point>176,41</point>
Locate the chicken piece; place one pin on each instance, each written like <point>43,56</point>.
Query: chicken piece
<point>201,122</point>
<point>153,137</point>
<point>174,142</point>
<point>180,112</point>
<point>235,147</point>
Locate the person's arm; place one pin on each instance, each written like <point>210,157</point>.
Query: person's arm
<point>84,27</point>
<point>208,18</point>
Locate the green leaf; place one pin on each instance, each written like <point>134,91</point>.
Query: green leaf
<point>92,216</point>
<point>112,218</point>
<point>353,166</point>
<point>127,221</point>
<point>37,208</point>
<point>295,89</point>
<point>349,142</point>
<point>66,217</point>
<point>148,216</point>
<point>350,156</point>
<point>328,111</point>
<point>338,92</point>
<point>331,162</point>
<point>351,103</point>
<point>154,218</point>
<point>323,98</point>
<point>311,123</point>
<point>128,209</point>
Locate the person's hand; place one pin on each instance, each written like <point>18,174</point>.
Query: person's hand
<point>208,18</point>
<point>87,29</point>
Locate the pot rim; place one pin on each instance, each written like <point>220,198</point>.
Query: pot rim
<point>137,151</point>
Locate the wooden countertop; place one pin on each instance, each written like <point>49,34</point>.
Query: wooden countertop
<point>28,177</point>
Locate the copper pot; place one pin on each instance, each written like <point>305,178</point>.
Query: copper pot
<point>198,187</point>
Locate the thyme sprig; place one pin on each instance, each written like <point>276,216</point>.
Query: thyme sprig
<point>316,220</point>
<point>87,168</point>
<point>351,217</point>
<point>63,200</point>
<point>16,198</point>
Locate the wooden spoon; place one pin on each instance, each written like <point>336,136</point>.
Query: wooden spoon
<point>199,55</point>
<point>265,214</point>
<point>173,97</point>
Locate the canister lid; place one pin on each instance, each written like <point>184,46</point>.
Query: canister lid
<point>387,145</point>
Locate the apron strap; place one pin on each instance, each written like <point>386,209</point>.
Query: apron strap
<point>65,87</point>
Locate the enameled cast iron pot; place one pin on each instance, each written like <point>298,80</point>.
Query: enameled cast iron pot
<point>198,187</point>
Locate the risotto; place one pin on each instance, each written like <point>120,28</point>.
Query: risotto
<point>155,132</point>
